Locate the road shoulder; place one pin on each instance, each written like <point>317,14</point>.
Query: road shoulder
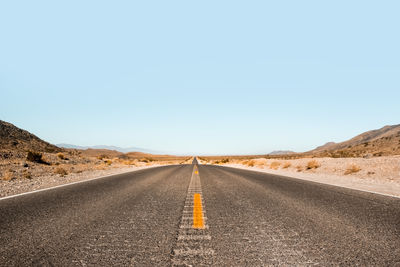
<point>348,181</point>
<point>18,186</point>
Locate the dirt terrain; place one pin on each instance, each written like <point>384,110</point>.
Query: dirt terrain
<point>369,161</point>
<point>27,162</point>
<point>380,142</point>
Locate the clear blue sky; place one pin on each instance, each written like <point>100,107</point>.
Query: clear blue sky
<point>202,77</point>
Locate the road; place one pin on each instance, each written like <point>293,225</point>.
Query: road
<point>242,218</point>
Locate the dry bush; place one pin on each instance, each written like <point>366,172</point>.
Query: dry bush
<point>26,174</point>
<point>286,165</point>
<point>129,162</point>
<point>250,163</point>
<point>8,176</point>
<point>102,156</point>
<point>259,162</point>
<point>352,169</point>
<point>313,164</point>
<point>275,165</point>
<point>61,171</point>
<point>108,162</point>
<point>60,155</point>
<point>244,162</point>
<point>147,160</point>
<point>299,168</point>
<point>226,160</point>
<point>35,157</point>
<point>222,161</point>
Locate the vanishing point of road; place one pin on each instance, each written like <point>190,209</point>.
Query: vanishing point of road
<point>199,215</point>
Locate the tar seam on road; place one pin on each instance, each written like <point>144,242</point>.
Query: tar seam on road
<point>193,242</point>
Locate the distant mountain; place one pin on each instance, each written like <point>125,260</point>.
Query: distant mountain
<point>383,141</point>
<point>327,146</point>
<point>119,149</point>
<point>18,140</point>
<point>281,152</point>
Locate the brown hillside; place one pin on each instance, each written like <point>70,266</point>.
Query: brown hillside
<point>17,141</point>
<point>384,141</point>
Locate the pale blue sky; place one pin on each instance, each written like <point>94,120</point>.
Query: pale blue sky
<point>199,77</point>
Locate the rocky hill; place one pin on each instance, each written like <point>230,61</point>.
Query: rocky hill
<point>384,141</point>
<point>15,141</point>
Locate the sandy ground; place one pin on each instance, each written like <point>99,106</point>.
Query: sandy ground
<point>17,186</point>
<point>379,174</point>
<point>18,175</point>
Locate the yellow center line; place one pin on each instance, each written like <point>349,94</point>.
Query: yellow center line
<point>198,221</point>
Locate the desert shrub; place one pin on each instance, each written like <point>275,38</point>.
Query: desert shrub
<point>129,162</point>
<point>286,165</point>
<point>299,168</point>
<point>60,155</point>
<point>26,174</point>
<point>61,171</point>
<point>250,163</point>
<point>313,164</point>
<point>275,165</point>
<point>102,156</point>
<point>352,169</point>
<point>225,160</point>
<point>35,157</point>
<point>123,156</point>
<point>8,176</point>
<point>108,162</point>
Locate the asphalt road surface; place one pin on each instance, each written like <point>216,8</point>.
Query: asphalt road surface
<point>199,215</point>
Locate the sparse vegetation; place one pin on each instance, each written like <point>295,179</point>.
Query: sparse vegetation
<point>299,168</point>
<point>222,161</point>
<point>250,163</point>
<point>129,162</point>
<point>8,176</point>
<point>352,169</point>
<point>102,156</point>
<point>313,164</point>
<point>286,165</point>
<point>275,165</point>
<point>35,157</point>
<point>61,171</point>
<point>60,155</point>
<point>26,174</point>
<point>225,160</point>
<point>146,160</point>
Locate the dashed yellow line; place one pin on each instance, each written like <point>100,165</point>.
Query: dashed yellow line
<point>198,220</point>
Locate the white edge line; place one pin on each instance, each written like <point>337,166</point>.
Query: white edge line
<point>362,190</point>
<point>77,182</point>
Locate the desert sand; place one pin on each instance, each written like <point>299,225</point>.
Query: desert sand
<point>376,174</point>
